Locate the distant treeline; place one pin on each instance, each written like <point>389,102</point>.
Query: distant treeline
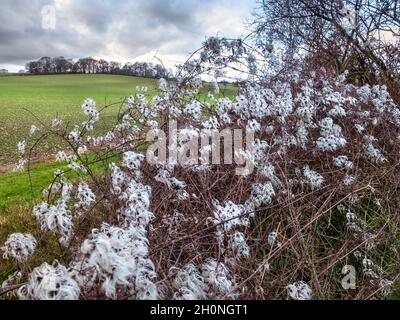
<point>61,65</point>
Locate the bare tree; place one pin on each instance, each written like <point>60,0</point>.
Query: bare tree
<point>361,36</point>
<point>103,66</point>
<point>91,65</point>
<point>62,65</point>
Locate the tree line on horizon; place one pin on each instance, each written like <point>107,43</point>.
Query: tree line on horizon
<point>62,65</point>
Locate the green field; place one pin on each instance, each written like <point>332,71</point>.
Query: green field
<point>22,98</point>
<point>49,96</point>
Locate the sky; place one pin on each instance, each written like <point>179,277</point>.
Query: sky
<point>118,30</point>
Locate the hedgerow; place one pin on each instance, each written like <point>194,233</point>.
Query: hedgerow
<point>322,194</point>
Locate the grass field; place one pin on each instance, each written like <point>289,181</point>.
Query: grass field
<point>49,96</point>
<point>59,95</point>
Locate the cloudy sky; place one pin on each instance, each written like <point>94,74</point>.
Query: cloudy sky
<point>120,30</point>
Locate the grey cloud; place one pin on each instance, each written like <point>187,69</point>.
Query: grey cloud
<point>87,27</point>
